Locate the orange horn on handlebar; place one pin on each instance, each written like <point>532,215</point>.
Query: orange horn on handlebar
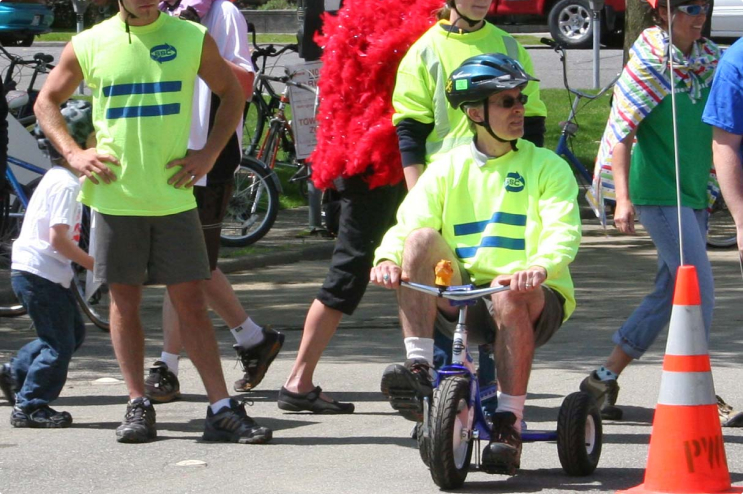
<point>443,272</point>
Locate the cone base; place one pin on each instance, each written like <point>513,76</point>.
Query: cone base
<point>640,489</point>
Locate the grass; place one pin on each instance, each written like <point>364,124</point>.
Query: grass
<point>591,120</point>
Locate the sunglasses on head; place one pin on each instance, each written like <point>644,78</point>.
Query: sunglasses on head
<point>694,9</point>
<point>510,101</point>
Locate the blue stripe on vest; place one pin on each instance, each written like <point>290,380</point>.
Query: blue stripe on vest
<point>142,88</point>
<point>500,242</point>
<point>143,111</point>
<point>479,226</point>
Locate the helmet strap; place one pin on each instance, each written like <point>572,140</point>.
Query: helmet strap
<point>470,22</point>
<point>486,123</point>
<point>126,20</point>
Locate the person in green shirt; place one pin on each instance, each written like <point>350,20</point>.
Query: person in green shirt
<point>141,66</point>
<point>503,211</point>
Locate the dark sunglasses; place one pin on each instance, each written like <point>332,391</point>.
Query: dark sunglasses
<point>510,101</point>
<point>694,9</point>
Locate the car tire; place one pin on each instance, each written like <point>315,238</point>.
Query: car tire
<point>570,23</point>
<point>27,41</point>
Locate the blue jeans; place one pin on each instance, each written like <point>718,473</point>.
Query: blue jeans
<point>654,312</point>
<point>40,367</point>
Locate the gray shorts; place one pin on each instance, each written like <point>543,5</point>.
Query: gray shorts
<point>150,250</point>
<point>481,327</point>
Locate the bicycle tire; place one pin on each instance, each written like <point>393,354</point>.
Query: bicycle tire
<point>9,304</point>
<point>98,305</point>
<point>721,232</point>
<point>450,453</point>
<point>255,123</point>
<point>253,207</point>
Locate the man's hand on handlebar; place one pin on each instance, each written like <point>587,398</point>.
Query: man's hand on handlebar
<point>524,281</point>
<point>387,274</point>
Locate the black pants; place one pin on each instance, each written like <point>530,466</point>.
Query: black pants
<point>365,217</point>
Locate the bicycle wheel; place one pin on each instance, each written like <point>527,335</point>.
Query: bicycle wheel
<point>95,305</point>
<point>253,207</point>
<point>255,122</point>
<point>721,228</point>
<point>9,305</point>
<point>450,442</point>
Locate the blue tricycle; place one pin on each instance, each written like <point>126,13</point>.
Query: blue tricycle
<point>454,423</point>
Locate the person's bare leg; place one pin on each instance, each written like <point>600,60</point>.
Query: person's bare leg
<point>220,297</point>
<point>198,336</point>
<point>319,327</point>
<point>423,249</point>
<point>127,336</point>
<point>618,360</point>
<point>515,317</point>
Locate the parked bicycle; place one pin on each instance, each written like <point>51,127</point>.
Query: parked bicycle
<point>721,228</point>
<point>21,102</point>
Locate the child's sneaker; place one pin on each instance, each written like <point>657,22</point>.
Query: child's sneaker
<point>7,384</point>
<point>138,425</point>
<point>232,425</point>
<point>41,418</point>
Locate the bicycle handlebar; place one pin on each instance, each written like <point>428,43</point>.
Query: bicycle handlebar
<point>285,79</point>
<point>457,293</point>
<point>560,49</point>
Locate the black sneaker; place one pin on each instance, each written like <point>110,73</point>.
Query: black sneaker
<point>7,384</point>
<point>605,393</point>
<point>406,385</point>
<point>40,418</point>
<point>161,385</point>
<point>502,455</point>
<point>138,425</point>
<point>232,425</point>
<point>256,360</point>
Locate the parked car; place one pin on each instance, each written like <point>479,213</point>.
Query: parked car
<point>569,20</point>
<point>21,20</point>
<point>727,19</point>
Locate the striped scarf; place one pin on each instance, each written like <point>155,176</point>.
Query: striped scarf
<point>642,86</point>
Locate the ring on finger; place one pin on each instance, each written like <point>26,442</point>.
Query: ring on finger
<point>386,277</point>
<point>528,285</point>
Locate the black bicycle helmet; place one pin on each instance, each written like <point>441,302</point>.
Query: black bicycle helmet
<point>79,119</point>
<point>481,76</point>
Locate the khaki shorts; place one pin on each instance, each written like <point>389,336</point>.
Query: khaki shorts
<point>150,250</point>
<point>481,327</point>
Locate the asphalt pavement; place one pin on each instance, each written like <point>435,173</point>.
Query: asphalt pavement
<point>369,451</point>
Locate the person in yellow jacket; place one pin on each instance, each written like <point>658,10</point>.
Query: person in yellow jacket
<point>503,211</point>
<point>426,125</point>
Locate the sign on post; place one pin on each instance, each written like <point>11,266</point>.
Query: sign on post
<point>304,124</point>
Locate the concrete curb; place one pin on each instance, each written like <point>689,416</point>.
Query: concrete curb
<point>246,263</point>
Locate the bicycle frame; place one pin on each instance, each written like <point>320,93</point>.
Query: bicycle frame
<point>463,365</point>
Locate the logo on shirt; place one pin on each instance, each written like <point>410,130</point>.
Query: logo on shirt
<point>163,53</point>
<point>514,182</point>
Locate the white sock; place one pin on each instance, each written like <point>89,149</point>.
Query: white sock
<point>248,334</point>
<point>224,402</point>
<point>513,404</point>
<point>420,348</point>
<point>605,374</point>
<point>171,360</point>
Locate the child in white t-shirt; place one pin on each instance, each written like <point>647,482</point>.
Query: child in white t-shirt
<point>41,278</point>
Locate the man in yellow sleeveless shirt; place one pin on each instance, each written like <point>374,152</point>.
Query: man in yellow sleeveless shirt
<point>141,66</point>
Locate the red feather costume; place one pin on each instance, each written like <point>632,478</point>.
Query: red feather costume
<point>363,45</point>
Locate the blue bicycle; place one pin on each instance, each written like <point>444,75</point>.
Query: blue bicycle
<point>454,423</point>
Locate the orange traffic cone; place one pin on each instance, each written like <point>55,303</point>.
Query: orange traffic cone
<point>686,452</point>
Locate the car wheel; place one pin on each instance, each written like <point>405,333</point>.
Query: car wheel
<point>27,41</point>
<point>570,23</point>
